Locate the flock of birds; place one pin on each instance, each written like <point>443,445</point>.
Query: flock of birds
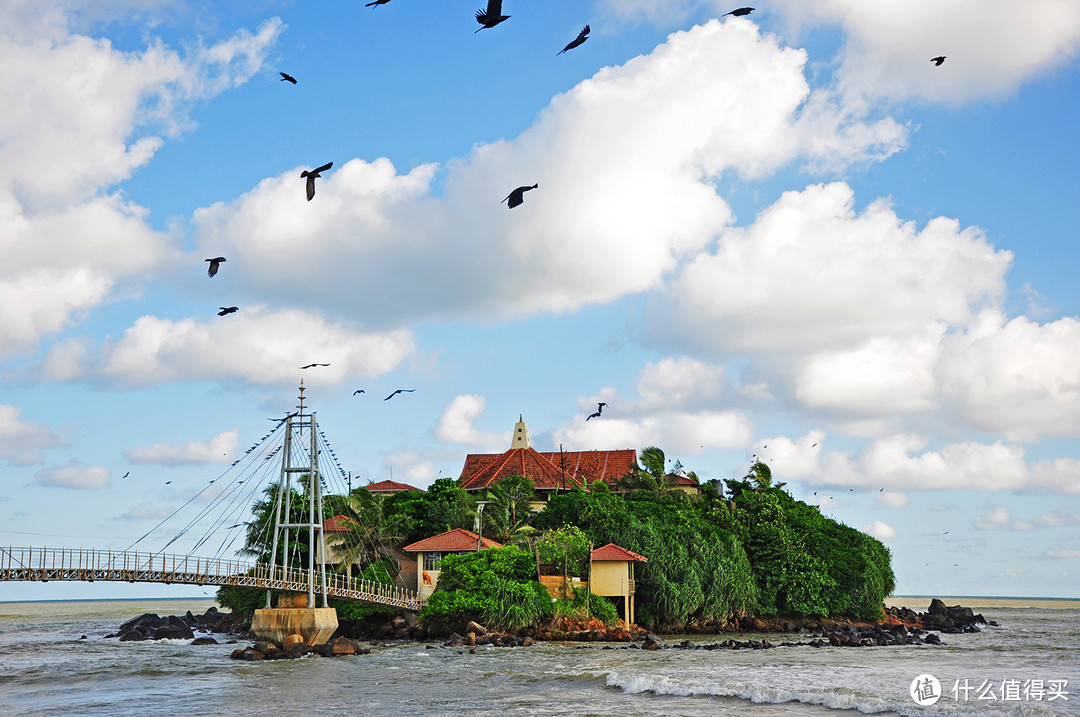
<point>488,17</point>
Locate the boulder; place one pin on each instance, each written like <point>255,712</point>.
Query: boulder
<point>476,628</point>
<point>133,636</point>
<point>651,642</point>
<point>291,641</point>
<point>204,641</point>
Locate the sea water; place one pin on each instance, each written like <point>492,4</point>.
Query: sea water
<point>1028,665</point>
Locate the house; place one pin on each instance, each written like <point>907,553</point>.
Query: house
<point>430,552</point>
<point>389,487</point>
<point>549,472</point>
<point>611,574</point>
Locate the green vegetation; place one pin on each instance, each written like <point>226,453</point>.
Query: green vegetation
<point>746,548</point>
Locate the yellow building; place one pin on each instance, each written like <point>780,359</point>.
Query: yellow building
<point>612,575</point>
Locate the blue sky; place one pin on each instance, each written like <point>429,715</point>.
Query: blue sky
<point>778,230</point>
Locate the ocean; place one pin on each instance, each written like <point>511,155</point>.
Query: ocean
<point>1028,665</point>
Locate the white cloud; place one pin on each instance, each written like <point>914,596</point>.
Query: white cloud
<point>812,275</point>
<point>893,499</point>
<point>991,46</point>
<point>1063,554</point>
<point>676,433</point>
<point>626,163</point>
<point>682,382</point>
<point>999,517</point>
<point>67,241</point>
<point>23,441</point>
<point>218,449</point>
<point>255,345</point>
<point>456,425</point>
<point>799,457</point>
<point>74,475</point>
<point>880,530</point>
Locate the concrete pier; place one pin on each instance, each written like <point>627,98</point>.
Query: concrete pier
<point>292,616</point>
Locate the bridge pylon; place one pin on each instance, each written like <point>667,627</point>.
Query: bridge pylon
<point>294,614</point>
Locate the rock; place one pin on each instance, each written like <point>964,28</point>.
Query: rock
<point>133,636</point>
<point>292,640</point>
<point>343,646</point>
<point>174,632</point>
<point>204,641</point>
<point>651,642</point>
<point>937,607</point>
<point>932,639</point>
<point>237,654</point>
<point>470,639</point>
<point>476,627</point>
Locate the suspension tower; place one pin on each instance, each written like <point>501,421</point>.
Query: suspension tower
<point>296,612</point>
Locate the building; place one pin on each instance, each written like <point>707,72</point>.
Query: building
<point>611,574</point>
<point>430,552</point>
<point>389,487</point>
<point>549,472</point>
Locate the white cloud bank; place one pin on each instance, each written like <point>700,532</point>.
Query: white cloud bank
<point>75,475</point>
<point>218,449</point>
<point>22,442</point>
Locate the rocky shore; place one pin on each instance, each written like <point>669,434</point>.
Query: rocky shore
<point>900,626</point>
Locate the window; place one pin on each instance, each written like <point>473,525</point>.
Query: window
<point>432,561</point>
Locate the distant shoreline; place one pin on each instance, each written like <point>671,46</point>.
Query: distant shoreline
<point>921,602</point>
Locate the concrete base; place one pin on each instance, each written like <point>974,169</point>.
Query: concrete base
<point>315,624</point>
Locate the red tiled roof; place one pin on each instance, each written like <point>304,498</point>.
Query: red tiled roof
<point>546,470</point>
<point>481,470</point>
<point>457,540</point>
<point>337,524</point>
<point>584,467</point>
<point>611,552</point>
<point>389,486</point>
<point>678,480</point>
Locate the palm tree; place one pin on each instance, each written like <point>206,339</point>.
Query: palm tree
<point>761,476</point>
<point>367,535</point>
<point>508,513</point>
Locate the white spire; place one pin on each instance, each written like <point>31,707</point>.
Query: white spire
<point>521,435</point>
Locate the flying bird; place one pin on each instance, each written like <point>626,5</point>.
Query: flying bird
<point>599,410</point>
<point>125,475</point>
<point>168,482</point>
<point>581,38</point>
<point>227,310</point>
<point>215,264</point>
<point>400,390</point>
<point>938,60</point>
<point>312,176</point>
<point>739,12</point>
<point>287,78</point>
<point>360,390</point>
<point>377,2</point>
<point>313,365</point>
<point>517,196</point>
<point>492,16</point>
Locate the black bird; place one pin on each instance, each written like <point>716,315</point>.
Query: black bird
<point>313,365</point>
<point>599,410</point>
<point>215,264</point>
<point>492,16</point>
<point>517,196</point>
<point>358,391</point>
<point>227,310</point>
<point>168,482</point>
<point>400,390</point>
<point>125,475</point>
<point>287,78</point>
<point>377,2</point>
<point>581,38</point>
<point>739,12</point>
<point>312,176</point>
<point>938,60</point>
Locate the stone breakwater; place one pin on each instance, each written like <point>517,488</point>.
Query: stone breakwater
<point>150,626</point>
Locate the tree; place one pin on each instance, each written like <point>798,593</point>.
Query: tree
<point>508,512</point>
<point>368,535</point>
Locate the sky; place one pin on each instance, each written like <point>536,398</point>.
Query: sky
<point>786,235</point>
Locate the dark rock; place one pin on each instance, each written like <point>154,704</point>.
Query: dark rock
<point>133,636</point>
<point>204,641</point>
<point>651,642</point>
<point>932,639</point>
<point>937,607</point>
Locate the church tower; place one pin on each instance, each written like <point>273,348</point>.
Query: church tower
<point>521,435</point>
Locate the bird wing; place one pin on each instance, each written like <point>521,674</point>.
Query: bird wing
<point>583,33</point>
<point>310,186</point>
<point>212,269</point>
<point>392,395</point>
<point>494,7</point>
<point>323,168</point>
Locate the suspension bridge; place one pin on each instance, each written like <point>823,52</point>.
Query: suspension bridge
<point>301,479</point>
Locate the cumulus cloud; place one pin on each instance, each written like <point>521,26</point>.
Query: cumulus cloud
<point>75,475</point>
<point>991,45</point>
<point>880,530</point>
<point>893,499</point>
<point>216,450</point>
<point>999,517</point>
<point>456,425</point>
<point>799,456</point>
<point>145,511</point>
<point>22,441</point>
<point>257,345</point>
<point>676,433</point>
<point>67,241</point>
<point>626,162</point>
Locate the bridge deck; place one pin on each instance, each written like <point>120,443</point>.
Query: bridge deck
<point>45,564</point>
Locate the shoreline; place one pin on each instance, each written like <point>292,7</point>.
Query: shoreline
<point>975,601</point>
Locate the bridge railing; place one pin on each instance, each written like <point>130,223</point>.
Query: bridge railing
<point>43,564</point>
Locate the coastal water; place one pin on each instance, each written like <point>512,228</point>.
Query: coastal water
<point>1030,665</point>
